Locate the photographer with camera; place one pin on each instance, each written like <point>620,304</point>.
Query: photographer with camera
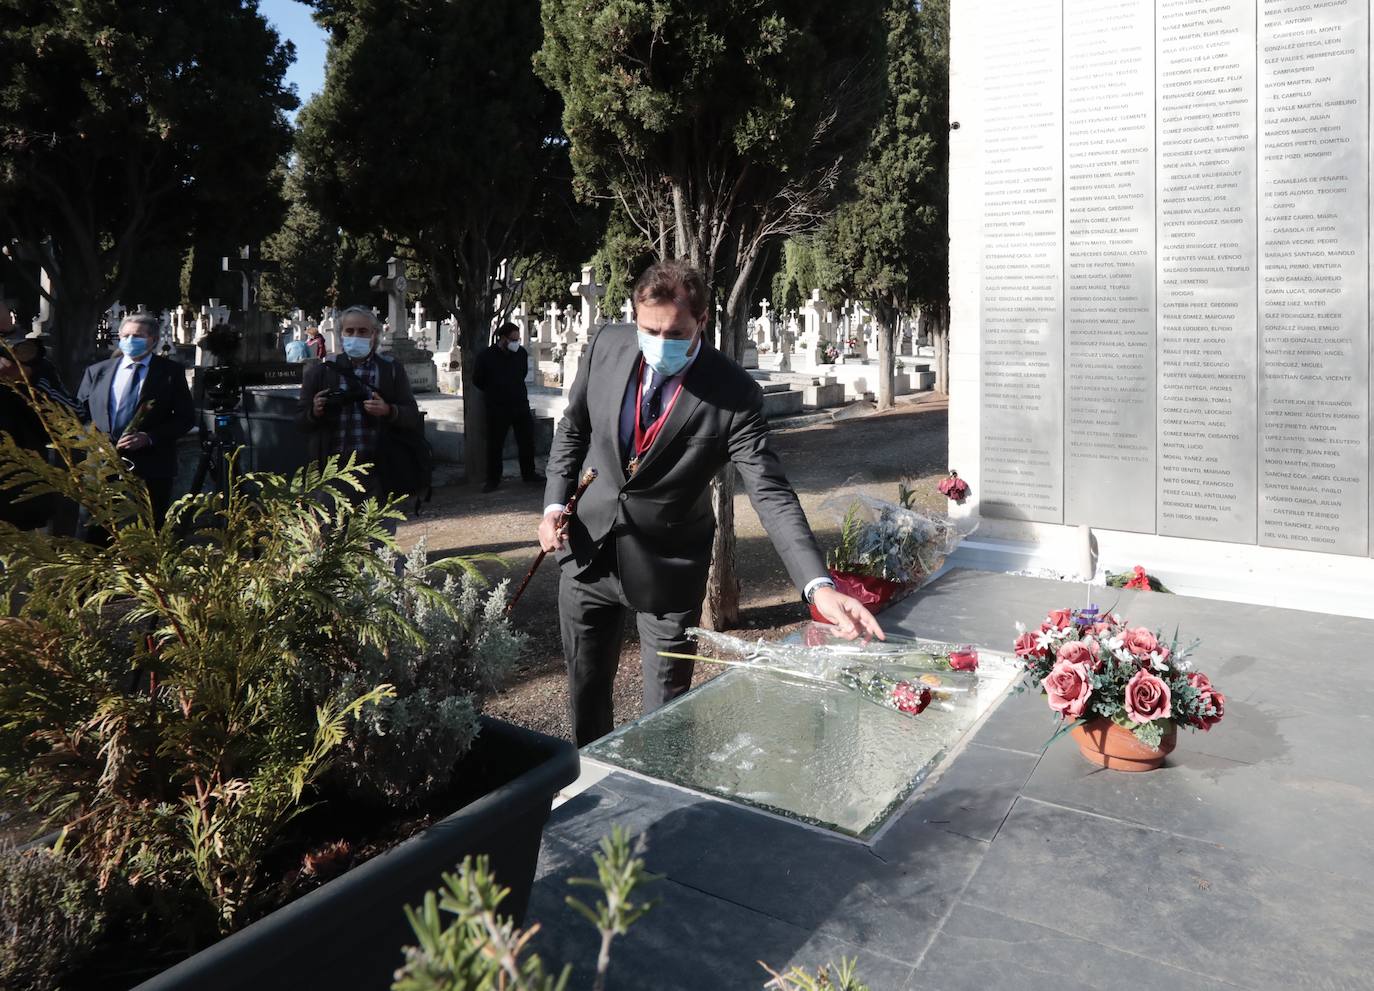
<point>143,402</point>
<point>360,402</point>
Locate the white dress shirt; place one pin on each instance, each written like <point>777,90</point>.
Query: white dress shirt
<point>121,380</point>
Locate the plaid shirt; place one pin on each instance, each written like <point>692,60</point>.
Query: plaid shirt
<point>357,432</point>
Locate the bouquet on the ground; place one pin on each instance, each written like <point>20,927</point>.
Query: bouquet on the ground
<point>887,548</point>
<point>1137,579</point>
<point>907,674</point>
<point>1091,664</point>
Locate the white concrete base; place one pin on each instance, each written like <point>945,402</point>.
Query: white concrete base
<point>1328,583</point>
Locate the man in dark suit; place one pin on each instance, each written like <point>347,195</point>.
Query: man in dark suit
<point>500,374</point>
<point>142,401</point>
<point>658,411</point>
<point>349,403</point>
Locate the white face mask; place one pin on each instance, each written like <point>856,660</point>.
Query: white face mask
<point>513,345</point>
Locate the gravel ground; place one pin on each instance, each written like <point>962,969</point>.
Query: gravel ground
<point>873,452</point>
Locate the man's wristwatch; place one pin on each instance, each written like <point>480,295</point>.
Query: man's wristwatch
<point>814,584</point>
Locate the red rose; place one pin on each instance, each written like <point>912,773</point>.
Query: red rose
<point>1140,641</point>
<point>1207,696</point>
<point>1140,581</point>
<point>1027,645</point>
<point>1060,619</point>
<point>1068,687</point>
<point>1147,698</point>
<point>965,659</point>
<point>1085,652</point>
<point>909,698</point>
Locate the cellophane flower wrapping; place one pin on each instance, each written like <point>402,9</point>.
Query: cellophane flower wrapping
<point>906,674</point>
<point>891,540</point>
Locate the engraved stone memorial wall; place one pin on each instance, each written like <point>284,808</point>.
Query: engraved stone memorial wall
<point>1175,282</point>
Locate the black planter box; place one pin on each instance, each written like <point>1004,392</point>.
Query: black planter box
<point>349,933</point>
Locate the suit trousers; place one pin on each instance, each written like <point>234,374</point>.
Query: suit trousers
<point>591,615</point>
<point>499,420</point>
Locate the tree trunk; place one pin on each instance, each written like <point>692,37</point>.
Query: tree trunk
<point>720,609</point>
<point>73,346</point>
<point>474,403</point>
<point>886,391</point>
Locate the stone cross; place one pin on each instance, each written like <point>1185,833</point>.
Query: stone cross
<point>394,285</point>
<point>504,288</point>
<point>250,265</point>
<point>329,328</point>
<point>524,319</point>
<point>44,318</point>
<point>815,320</point>
<point>591,294</point>
<point>549,325</point>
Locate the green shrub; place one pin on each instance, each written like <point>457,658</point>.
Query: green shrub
<point>50,918</point>
<point>479,948</point>
<point>464,943</point>
<point>404,751</point>
<point>151,694</point>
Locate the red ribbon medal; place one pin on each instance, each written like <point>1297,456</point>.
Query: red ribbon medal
<point>644,439</point>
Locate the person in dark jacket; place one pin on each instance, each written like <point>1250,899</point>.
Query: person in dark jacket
<point>351,404</point>
<point>143,402</point>
<point>500,374</point>
<point>23,366</point>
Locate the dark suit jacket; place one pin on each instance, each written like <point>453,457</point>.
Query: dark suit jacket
<point>173,412</point>
<point>500,374</point>
<point>661,520</point>
<point>392,383</point>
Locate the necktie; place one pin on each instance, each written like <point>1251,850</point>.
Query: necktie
<point>127,403</point>
<point>652,406</point>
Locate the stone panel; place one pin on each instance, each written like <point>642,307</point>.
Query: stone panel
<point>1314,269</point>
<point>1207,270</point>
<point>1022,310</point>
<point>1109,222</point>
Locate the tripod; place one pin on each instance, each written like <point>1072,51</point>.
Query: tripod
<point>214,455</point>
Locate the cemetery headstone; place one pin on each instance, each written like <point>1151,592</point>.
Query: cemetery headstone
<point>418,362</point>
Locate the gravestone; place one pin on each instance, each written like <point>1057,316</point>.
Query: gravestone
<point>418,362</point>
<point>591,321</point>
<point>1160,290</point>
<point>799,748</point>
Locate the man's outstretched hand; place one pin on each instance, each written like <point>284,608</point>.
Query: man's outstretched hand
<point>848,615</point>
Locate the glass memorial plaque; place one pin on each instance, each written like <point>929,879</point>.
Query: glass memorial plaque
<point>800,748</point>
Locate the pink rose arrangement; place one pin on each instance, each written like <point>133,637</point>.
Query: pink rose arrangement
<point>1090,664</point>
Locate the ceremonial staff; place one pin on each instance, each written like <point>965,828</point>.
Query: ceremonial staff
<point>569,511</point>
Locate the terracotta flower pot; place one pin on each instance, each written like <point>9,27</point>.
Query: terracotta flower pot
<point>1118,749</point>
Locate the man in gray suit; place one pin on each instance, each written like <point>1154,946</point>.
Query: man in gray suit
<point>658,411</point>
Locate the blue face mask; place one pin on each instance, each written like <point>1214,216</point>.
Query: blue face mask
<point>134,347</point>
<point>667,357</point>
<point>357,347</point>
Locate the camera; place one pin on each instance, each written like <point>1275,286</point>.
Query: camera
<point>223,393</point>
<point>223,388</point>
